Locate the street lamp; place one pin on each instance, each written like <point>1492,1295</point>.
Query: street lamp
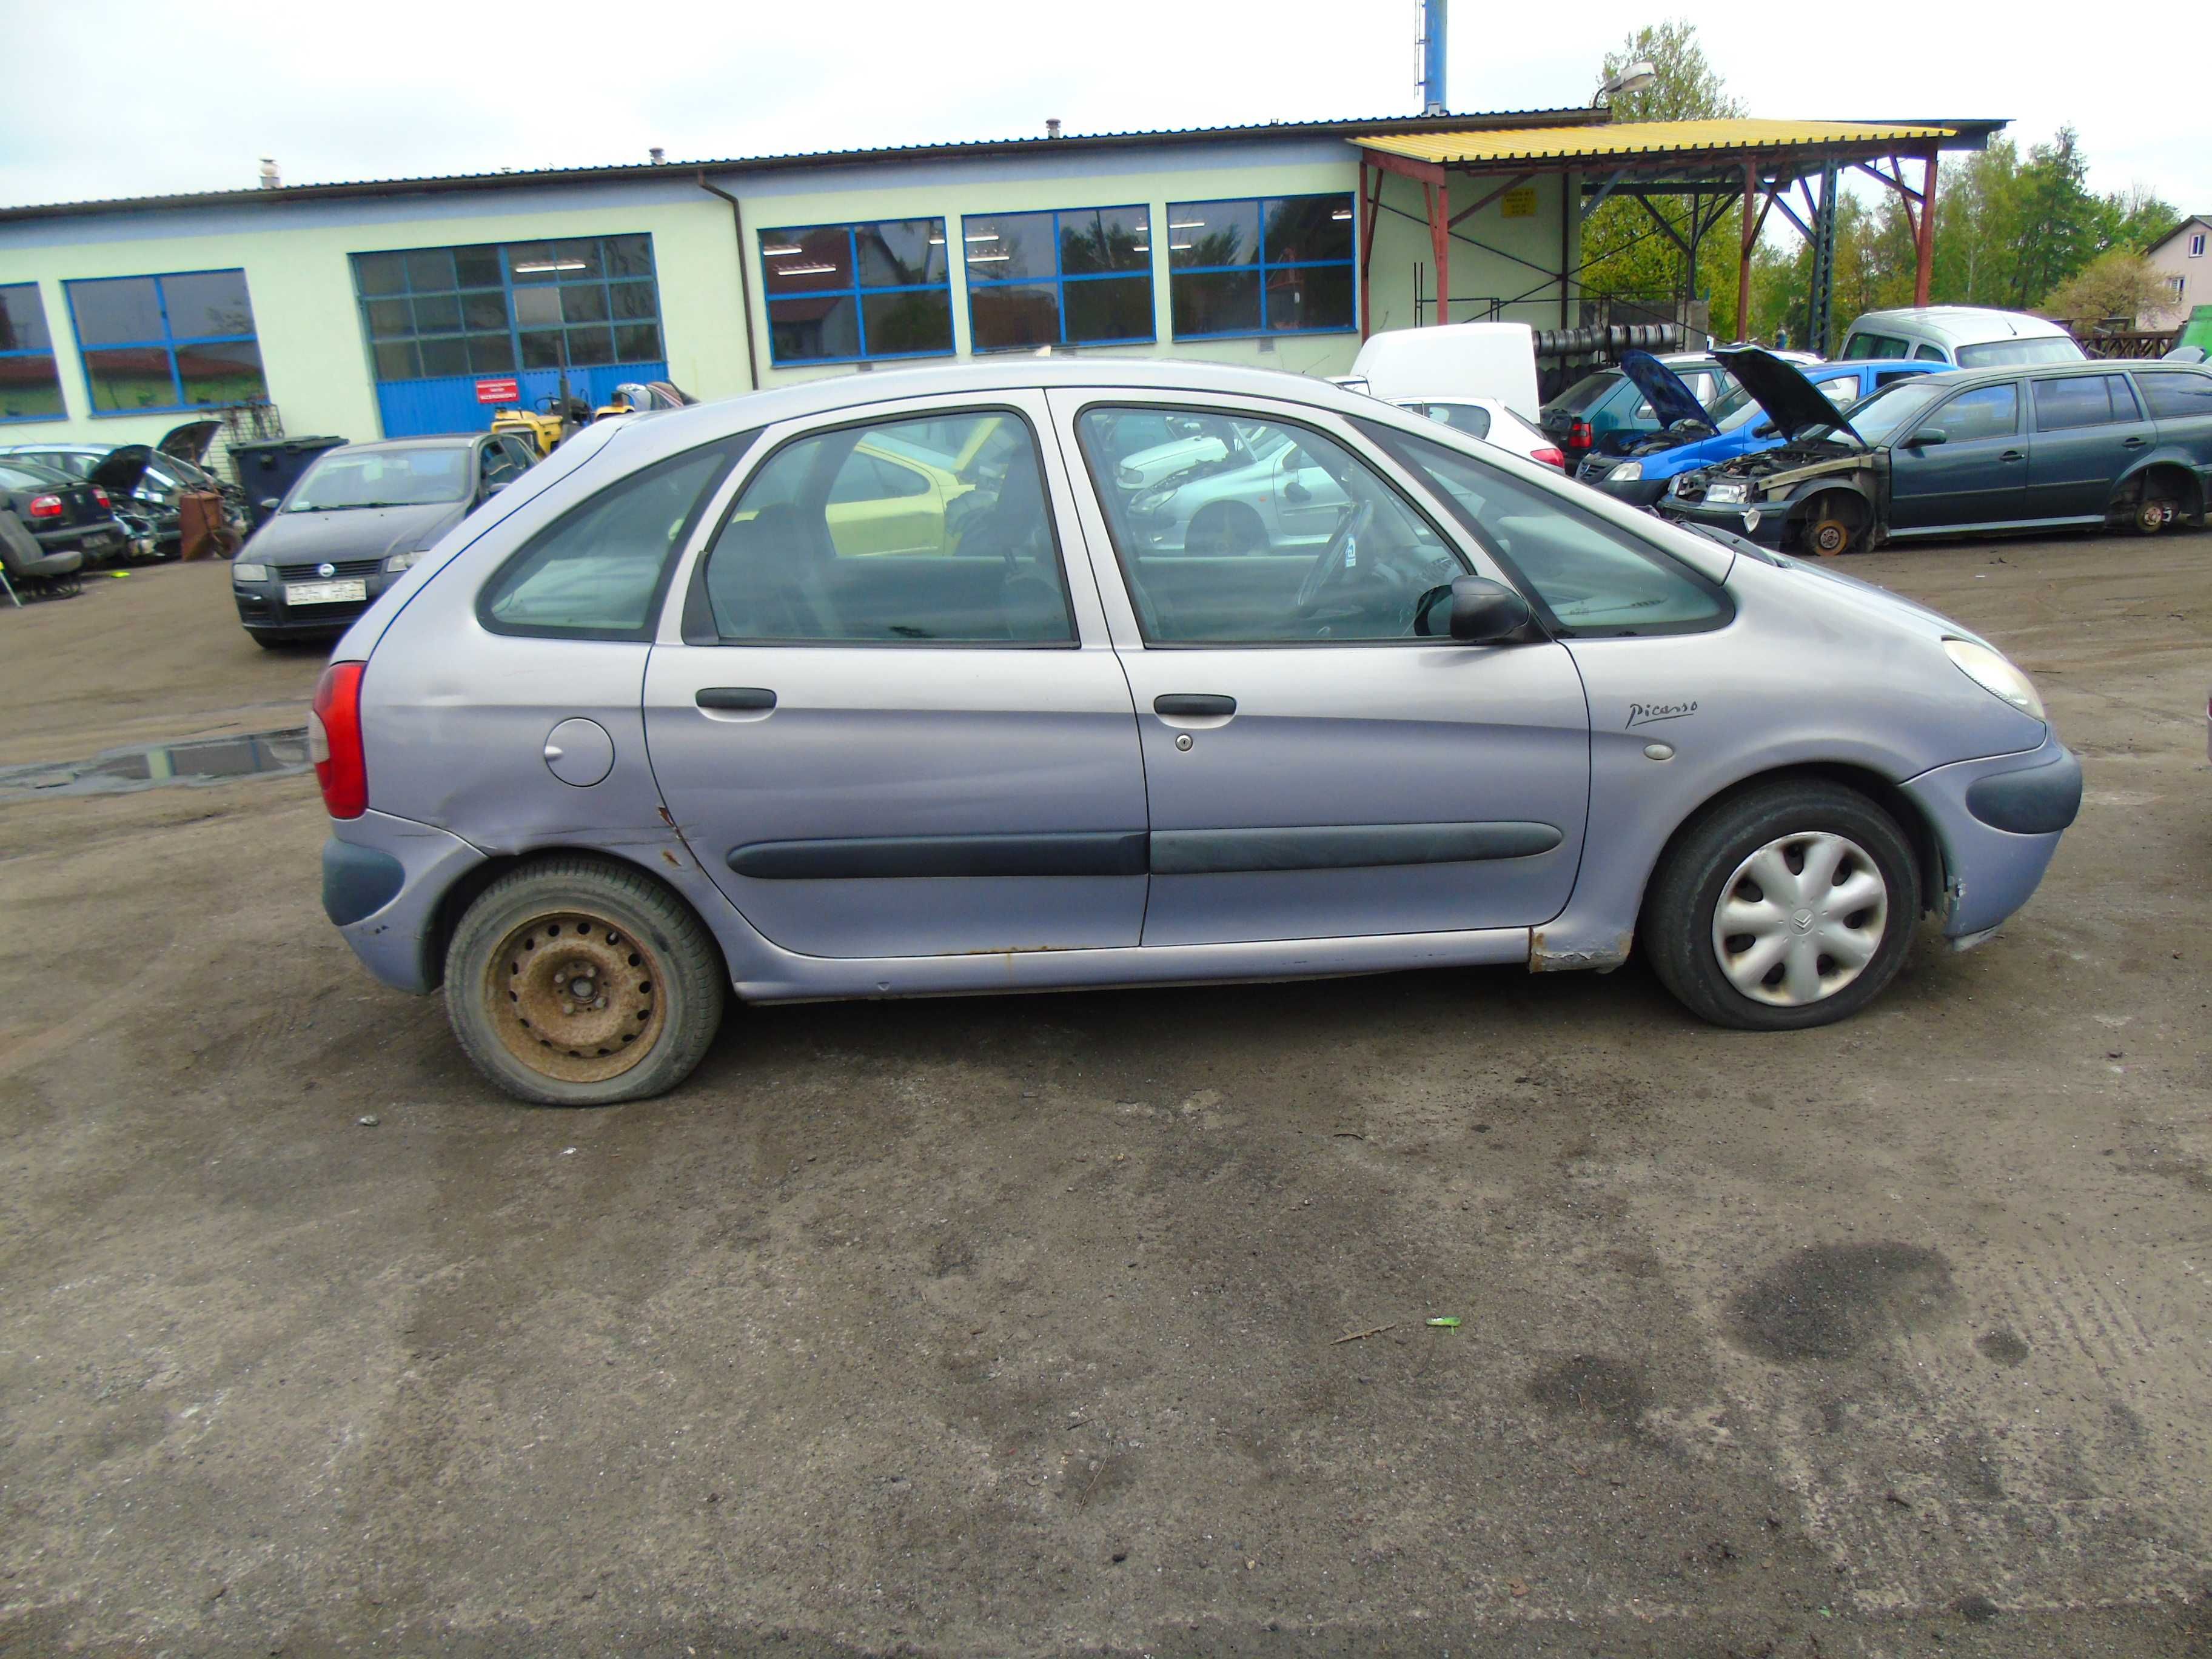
<point>1635,78</point>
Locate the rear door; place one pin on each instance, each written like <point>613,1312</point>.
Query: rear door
<point>880,752</point>
<point>1316,769</point>
<point>2089,429</point>
<point>1977,475</point>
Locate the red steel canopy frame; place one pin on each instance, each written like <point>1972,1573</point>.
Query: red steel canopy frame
<point>1716,164</point>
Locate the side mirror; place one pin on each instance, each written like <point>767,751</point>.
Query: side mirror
<point>270,503</point>
<point>1926,435</point>
<point>1295,491</point>
<point>1766,429</point>
<point>1482,611</point>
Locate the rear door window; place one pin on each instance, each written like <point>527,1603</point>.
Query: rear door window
<point>930,531</point>
<point>1873,345</point>
<point>2078,400</point>
<point>1470,418</point>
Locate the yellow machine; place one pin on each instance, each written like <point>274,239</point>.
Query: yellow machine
<point>553,419</point>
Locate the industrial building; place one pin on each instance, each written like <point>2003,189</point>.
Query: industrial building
<point>390,308</point>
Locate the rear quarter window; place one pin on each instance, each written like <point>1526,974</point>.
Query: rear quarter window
<point>599,570</point>
<point>2176,394</point>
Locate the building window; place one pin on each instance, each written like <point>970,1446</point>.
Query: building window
<point>30,386</point>
<point>2197,246</point>
<point>1071,278</point>
<point>497,307</point>
<point>1273,266</point>
<point>156,343</point>
<point>843,294</point>
<point>2179,285</point>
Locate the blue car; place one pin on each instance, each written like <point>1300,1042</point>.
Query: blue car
<point>1736,424</point>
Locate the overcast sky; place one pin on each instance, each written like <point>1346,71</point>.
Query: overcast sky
<point>107,98</point>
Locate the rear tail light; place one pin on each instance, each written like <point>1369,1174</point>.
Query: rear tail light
<point>334,740</point>
<point>1578,435</point>
<point>100,496</point>
<point>46,507</point>
<point>1549,458</point>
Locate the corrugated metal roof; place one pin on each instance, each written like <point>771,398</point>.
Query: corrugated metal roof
<point>1482,145</point>
<point>1384,125</point>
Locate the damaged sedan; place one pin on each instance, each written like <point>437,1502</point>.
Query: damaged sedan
<point>2075,445</point>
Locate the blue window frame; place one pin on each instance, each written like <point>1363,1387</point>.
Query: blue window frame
<point>1279,264</point>
<point>30,384</point>
<point>1073,277</point>
<point>156,345</point>
<point>496,307</point>
<point>856,293</point>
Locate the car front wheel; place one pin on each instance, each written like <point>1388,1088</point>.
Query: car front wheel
<point>576,982</point>
<point>1791,905</point>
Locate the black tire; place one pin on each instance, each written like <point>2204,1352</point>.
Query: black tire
<point>589,916</point>
<point>1681,911</point>
<point>1226,528</point>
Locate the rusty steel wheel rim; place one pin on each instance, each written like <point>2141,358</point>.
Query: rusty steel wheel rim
<point>575,997</point>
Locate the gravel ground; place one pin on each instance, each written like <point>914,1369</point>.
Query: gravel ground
<point>1012,1326</point>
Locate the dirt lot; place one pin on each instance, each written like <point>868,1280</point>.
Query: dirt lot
<point>1010,1327</point>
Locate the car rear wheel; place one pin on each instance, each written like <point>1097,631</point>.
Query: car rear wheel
<point>1791,905</point>
<point>578,983</point>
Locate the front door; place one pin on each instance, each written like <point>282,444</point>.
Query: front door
<point>2088,431</point>
<point>1315,767</point>
<point>1977,475</point>
<point>881,752</point>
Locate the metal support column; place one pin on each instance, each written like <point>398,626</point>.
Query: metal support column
<point>1821,301</point>
<point>1923,240</point>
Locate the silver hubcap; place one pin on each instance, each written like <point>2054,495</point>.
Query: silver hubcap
<point>1800,918</point>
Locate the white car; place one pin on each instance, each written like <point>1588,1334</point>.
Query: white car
<point>1239,488</point>
<point>1490,420</point>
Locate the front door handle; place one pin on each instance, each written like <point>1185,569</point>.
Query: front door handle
<point>2012,455</point>
<point>735,697</point>
<point>1195,705</point>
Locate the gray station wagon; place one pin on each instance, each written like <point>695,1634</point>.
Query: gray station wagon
<point>718,700</point>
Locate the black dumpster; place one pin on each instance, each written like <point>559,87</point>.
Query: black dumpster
<point>268,467</point>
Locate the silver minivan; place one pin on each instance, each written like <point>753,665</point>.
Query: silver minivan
<point>1965,337</point>
<point>715,701</point>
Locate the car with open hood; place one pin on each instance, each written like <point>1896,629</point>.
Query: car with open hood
<point>1741,425</point>
<point>1607,410</point>
<point>2027,447</point>
<point>639,735</point>
<point>356,521</point>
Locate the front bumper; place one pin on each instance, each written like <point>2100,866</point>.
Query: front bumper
<point>1989,869</point>
<point>1761,523</point>
<point>384,879</point>
<point>262,609</point>
<point>1637,492</point>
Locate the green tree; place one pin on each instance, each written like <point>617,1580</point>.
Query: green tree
<point>2117,283</point>
<point>1623,251</point>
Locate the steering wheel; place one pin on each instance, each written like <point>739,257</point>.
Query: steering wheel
<point>1329,567</point>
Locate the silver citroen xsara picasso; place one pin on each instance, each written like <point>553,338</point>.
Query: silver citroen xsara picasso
<point>881,686</point>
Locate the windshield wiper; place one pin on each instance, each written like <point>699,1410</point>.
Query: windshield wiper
<point>351,506</point>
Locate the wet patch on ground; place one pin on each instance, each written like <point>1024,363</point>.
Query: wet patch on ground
<point>153,765</point>
<point>1828,1301</point>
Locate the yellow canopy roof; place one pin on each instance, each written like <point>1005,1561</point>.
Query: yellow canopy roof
<point>1627,139</point>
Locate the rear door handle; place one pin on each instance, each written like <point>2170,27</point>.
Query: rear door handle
<point>1198,705</point>
<point>735,697</point>
<point>2012,455</point>
<point>2133,443</point>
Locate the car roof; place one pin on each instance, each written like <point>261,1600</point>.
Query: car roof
<point>429,441</point>
<point>1962,325</point>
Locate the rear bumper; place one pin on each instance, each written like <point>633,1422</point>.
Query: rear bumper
<point>88,541</point>
<point>1992,871</point>
<point>384,879</point>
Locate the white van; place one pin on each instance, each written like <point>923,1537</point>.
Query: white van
<point>1475,360</point>
<point>1965,336</point>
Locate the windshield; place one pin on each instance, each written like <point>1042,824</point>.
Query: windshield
<point>392,477</point>
<point>1889,409</point>
<point>2007,354</point>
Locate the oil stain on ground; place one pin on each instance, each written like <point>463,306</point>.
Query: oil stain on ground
<point>1829,1301</point>
<point>1610,1393</point>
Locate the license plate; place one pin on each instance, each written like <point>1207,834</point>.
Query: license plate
<point>324,592</point>
<point>99,539</point>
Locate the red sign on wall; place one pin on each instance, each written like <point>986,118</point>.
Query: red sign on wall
<point>499,392</point>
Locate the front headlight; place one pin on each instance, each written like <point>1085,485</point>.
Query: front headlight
<point>399,562</point>
<point>249,572</point>
<point>1627,472</point>
<point>1996,675</point>
<point>1728,492</point>
<point>1127,477</point>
